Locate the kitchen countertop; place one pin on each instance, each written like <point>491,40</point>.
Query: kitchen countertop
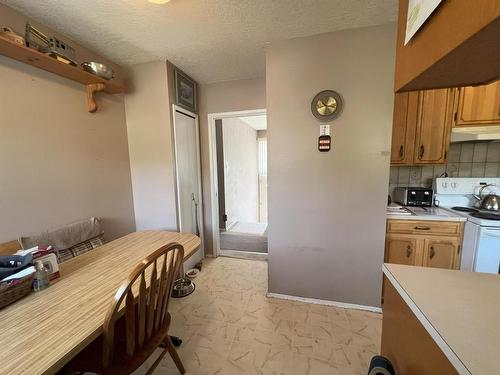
<point>398,212</point>
<point>459,310</point>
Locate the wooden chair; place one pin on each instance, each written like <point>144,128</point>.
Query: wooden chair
<point>131,333</point>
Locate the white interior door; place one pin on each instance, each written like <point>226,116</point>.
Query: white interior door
<point>188,175</point>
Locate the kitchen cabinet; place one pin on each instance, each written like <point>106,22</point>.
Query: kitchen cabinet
<point>400,250</point>
<point>434,122</point>
<point>441,253</point>
<point>456,46</point>
<point>478,106</point>
<point>424,243</point>
<point>421,127</point>
<point>404,126</point>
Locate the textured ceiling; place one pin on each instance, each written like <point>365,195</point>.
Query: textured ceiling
<point>212,40</point>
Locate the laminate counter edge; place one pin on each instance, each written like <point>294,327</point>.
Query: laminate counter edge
<point>441,343</point>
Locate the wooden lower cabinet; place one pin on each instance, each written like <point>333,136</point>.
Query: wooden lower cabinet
<point>400,250</point>
<point>424,243</point>
<point>441,253</point>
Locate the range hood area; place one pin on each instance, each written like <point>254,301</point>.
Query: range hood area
<point>476,133</point>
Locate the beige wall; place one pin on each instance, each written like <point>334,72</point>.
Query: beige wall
<point>151,147</point>
<point>216,98</point>
<point>59,162</point>
<point>327,210</point>
<point>240,171</point>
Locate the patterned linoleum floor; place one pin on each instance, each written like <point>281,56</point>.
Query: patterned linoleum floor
<point>230,327</point>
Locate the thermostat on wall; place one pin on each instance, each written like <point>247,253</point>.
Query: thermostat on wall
<point>324,143</point>
<point>324,140</point>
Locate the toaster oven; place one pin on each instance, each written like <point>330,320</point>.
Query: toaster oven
<point>413,196</point>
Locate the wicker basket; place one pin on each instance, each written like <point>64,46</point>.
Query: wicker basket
<point>11,292</point>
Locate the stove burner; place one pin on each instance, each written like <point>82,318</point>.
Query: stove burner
<point>465,209</point>
<point>486,215</point>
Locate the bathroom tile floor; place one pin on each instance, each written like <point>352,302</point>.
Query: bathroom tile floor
<point>230,327</point>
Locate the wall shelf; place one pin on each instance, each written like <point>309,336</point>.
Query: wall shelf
<point>42,61</point>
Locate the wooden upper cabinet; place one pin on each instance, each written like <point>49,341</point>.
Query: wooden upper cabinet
<point>433,126</point>
<point>404,127</point>
<point>421,127</point>
<point>457,46</point>
<point>478,105</point>
<point>400,250</point>
<point>441,253</point>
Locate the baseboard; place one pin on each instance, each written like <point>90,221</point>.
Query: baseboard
<point>243,254</point>
<point>326,302</point>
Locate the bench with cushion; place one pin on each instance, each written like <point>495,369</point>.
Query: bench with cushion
<point>69,241</point>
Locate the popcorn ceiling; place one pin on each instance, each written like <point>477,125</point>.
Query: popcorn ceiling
<point>212,40</point>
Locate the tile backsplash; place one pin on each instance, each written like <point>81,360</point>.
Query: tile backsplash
<point>468,159</point>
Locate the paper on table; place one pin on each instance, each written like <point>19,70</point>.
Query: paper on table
<point>418,12</point>
<point>19,275</point>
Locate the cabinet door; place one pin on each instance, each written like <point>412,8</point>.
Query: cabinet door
<point>479,105</point>
<point>441,253</point>
<point>433,126</point>
<point>404,125</point>
<point>400,250</point>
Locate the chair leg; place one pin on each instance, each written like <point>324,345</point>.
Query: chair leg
<point>174,355</point>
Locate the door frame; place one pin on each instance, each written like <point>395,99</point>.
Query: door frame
<point>199,213</point>
<point>212,153</point>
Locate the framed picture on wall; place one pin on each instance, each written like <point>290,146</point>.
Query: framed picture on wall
<point>185,91</point>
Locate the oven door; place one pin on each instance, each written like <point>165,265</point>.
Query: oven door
<point>488,251</point>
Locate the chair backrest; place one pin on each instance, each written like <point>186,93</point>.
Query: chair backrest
<point>146,317</point>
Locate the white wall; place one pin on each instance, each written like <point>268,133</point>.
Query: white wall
<point>59,163</point>
<point>241,188</point>
<point>327,210</point>
<point>151,147</point>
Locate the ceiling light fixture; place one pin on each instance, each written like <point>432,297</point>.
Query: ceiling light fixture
<point>159,1</point>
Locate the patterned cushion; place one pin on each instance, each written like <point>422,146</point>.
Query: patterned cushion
<point>79,249</point>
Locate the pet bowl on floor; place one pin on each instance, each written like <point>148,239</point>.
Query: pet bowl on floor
<point>182,287</point>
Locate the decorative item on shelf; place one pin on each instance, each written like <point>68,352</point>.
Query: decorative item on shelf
<point>36,39</point>
<point>185,91</point>
<point>99,70</point>
<point>327,105</point>
<point>50,45</point>
<point>8,33</point>
<point>62,51</point>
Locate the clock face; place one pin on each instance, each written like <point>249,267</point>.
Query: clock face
<point>326,105</point>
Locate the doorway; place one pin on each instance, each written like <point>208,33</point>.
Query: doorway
<point>239,173</point>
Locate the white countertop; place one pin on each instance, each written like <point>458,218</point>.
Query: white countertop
<point>460,311</point>
<point>398,212</point>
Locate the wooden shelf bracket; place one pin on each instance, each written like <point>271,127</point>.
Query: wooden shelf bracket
<point>91,89</point>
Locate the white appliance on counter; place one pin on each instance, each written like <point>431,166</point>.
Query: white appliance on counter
<point>481,244</point>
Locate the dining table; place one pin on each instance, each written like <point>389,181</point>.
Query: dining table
<point>42,332</point>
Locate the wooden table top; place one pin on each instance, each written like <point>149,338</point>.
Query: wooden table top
<point>460,310</point>
<point>42,332</point>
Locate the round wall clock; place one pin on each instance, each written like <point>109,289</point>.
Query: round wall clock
<point>327,105</point>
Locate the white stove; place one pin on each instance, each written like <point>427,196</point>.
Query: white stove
<point>481,245</point>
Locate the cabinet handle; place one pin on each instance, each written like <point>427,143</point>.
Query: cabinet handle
<point>458,249</point>
<point>408,251</point>
<point>431,255</point>
<point>421,152</point>
<point>401,151</point>
<point>422,228</point>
